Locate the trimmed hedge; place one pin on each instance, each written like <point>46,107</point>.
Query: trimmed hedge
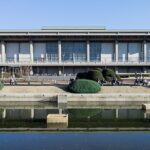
<point>108,74</point>
<point>99,75</point>
<point>99,69</point>
<point>95,75</point>
<point>84,86</point>
<point>1,85</point>
<point>82,75</point>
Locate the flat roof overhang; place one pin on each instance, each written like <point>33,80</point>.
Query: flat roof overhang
<point>27,38</point>
<point>72,31</point>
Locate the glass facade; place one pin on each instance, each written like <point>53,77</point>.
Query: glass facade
<point>52,51</point>
<point>148,52</point>
<point>130,52</point>
<point>74,51</point>
<point>95,52</point>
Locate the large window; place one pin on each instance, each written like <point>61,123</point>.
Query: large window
<point>52,51</point>
<point>74,51</point>
<point>95,51</point>
<point>39,52</point>
<point>12,52</point>
<point>131,52</point>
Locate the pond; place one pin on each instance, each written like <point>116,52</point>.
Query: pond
<point>75,141</point>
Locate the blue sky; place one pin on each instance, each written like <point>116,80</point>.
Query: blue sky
<point>114,14</point>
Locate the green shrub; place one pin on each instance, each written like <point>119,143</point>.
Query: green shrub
<point>1,85</point>
<point>99,69</point>
<point>95,75</point>
<point>118,77</point>
<point>108,74</point>
<point>84,86</point>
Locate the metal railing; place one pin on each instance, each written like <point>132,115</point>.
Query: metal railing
<point>81,59</point>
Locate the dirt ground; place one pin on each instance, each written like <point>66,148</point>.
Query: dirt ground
<point>62,89</point>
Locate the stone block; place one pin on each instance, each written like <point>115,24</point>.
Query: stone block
<point>57,120</point>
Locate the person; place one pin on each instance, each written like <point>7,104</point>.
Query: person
<point>10,80</point>
<point>136,81</point>
<point>136,75</point>
<point>113,82</point>
<point>144,82</point>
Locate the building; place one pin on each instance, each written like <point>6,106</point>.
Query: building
<point>69,50</point>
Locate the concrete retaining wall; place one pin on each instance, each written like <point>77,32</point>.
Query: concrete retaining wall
<point>96,100</point>
<point>82,100</point>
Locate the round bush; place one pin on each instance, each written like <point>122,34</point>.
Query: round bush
<point>108,74</point>
<point>95,75</point>
<point>84,86</point>
<point>99,69</point>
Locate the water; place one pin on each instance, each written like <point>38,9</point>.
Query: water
<point>34,114</point>
<point>75,141</point>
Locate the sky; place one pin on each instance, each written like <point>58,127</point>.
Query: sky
<point>113,14</point>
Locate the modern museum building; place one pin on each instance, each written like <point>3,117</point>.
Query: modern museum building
<point>69,50</point>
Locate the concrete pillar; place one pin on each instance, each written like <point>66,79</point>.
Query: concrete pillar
<point>116,114</point>
<point>116,51</point>
<point>62,101</point>
<point>3,51</point>
<point>59,71</point>
<point>116,70</point>
<point>15,58</point>
<point>4,114</point>
<point>32,113</point>
<point>145,69</point>
<point>59,52</point>
<point>145,51</point>
<point>88,51</point>
<point>145,115</point>
<point>31,52</point>
<point>60,110</point>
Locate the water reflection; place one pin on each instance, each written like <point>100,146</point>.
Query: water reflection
<point>36,113</point>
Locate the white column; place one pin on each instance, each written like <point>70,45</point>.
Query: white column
<point>116,113</point>
<point>145,69</point>
<point>31,52</point>
<point>59,52</point>
<point>32,113</point>
<point>116,68</point>
<point>60,110</point>
<point>145,51</point>
<point>4,114</point>
<point>3,49</point>
<point>88,51</point>
<point>145,115</point>
<point>59,71</point>
<point>116,51</point>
